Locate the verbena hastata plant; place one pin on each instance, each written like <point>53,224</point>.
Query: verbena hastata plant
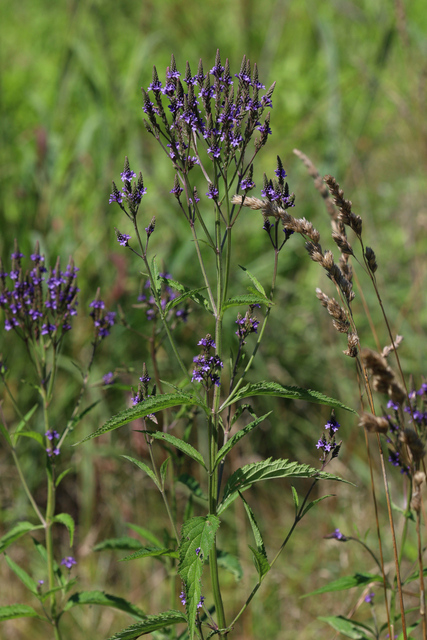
<point>210,126</point>
<point>399,429</point>
<point>38,307</point>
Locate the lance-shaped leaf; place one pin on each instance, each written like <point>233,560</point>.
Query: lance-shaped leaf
<point>192,484</point>
<point>197,537</point>
<point>258,286</point>
<point>145,533</point>
<point>22,575</point>
<point>238,436</point>
<point>246,299</point>
<point>144,467</point>
<point>347,582</point>
<point>16,532</point>
<point>194,294</point>
<point>150,405</point>
<point>150,624</point>
<point>179,444</point>
<point>155,283</point>
<point>104,600</point>
<point>230,562</point>
<point>23,423</point>
<point>11,611</point>
<point>260,555</point>
<point>152,552</point>
<point>265,388</point>
<point>124,543</point>
<point>349,628</point>
<point>268,469</point>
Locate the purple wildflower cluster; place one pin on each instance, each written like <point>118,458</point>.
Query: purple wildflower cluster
<point>337,535</point>
<point>327,444</point>
<point>142,393</point>
<point>207,106</point>
<point>404,440</point>
<point>277,190</point>
<point>102,320</point>
<point>207,367</point>
<point>247,324</point>
<point>36,303</point>
<point>68,562</point>
<point>167,294</point>
<point>52,436</point>
<point>183,599</point>
<point>131,194</point>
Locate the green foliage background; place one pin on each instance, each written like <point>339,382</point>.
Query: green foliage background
<point>351,93</point>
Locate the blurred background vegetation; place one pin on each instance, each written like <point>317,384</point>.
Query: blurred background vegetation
<point>351,94</point>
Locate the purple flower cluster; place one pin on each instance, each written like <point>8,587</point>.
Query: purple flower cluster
<point>278,190</point>
<point>68,561</point>
<point>52,436</point>
<point>142,393</point>
<point>208,106</point>
<point>246,324</point>
<point>103,321</point>
<point>327,444</point>
<point>337,535</point>
<point>35,303</point>
<point>132,191</point>
<point>167,294</point>
<point>183,599</point>
<point>207,367</point>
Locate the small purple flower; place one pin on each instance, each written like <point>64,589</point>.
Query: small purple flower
<point>122,238</point>
<point>333,425</point>
<point>207,342</point>
<point>393,405</point>
<point>337,535</point>
<point>97,304</point>
<point>127,175</point>
<point>198,550</point>
<point>51,434</point>
<point>369,597</point>
<point>247,184</point>
<point>68,561</point>
<point>108,378</point>
<point>213,192</point>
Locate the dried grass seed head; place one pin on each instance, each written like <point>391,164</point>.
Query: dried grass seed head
<point>373,424</point>
<point>413,442</point>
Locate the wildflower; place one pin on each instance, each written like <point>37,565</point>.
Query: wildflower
<point>369,597</point>
<point>337,535</point>
<point>122,238</point>
<point>333,425</point>
<point>108,378</point>
<point>102,321</point>
<point>246,324</point>
<point>213,192</point>
<point>207,367</point>
<point>68,561</point>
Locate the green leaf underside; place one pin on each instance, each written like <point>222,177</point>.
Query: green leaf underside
<point>67,521</point>
<point>246,300</point>
<point>260,561</point>
<point>123,543</point>
<point>152,552</point>
<point>179,444</point>
<point>34,435</point>
<point>268,469</point>
<point>314,502</point>
<point>260,554</point>
<point>265,388</point>
<point>151,623</point>
<point>347,582</point>
<point>238,436</point>
<point>11,611</point>
<point>349,628</point>
<point>16,532</point>
<point>105,600</point>
<point>145,533</point>
<point>150,405</point>
<point>192,484</point>
<point>198,533</point>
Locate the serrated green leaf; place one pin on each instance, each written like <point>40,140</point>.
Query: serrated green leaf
<point>150,405</point>
<point>347,627</point>
<point>104,600</point>
<point>197,538</point>
<point>179,444</point>
<point>193,294</point>
<point>16,532</point>
<point>313,502</point>
<point>151,623</point>
<point>62,476</point>
<point>11,611</point>
<point>67,521</point>
<point>155,282</point>
<point>258,286</point>
<point>246,299</point>
<point>163,471</point>
<point>192,484</point>
<point>31,434</point>
<point>265,388</point>
<point>145,533</point>
<point>238,436</point>
<point>268,469</point>
<point>23,423</point>
<point>260,556</point>
<point>261,564</point>
<point>22,575</point>
<point>347,582</point>
<point>75,421</point>
<point>144,467</point>
<point>230,562</point>
<point>125,543</point>
<point>151,552</point>
<point>239,410</point>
